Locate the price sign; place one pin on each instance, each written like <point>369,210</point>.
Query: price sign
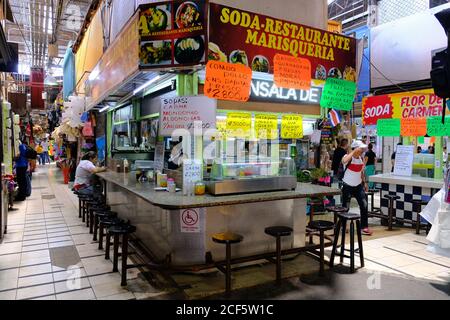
<point>159,156</point>
<point>291,126</point>
<point>413,127</point>
<point>239,124</point>
<point>404,157</point>
<point>192,172</point>
<point>291,72</point>
<point>227,81</point>
<point>338,94</point>
<point>266,126</point>
<point>435,128</point>
<point>388,127</point>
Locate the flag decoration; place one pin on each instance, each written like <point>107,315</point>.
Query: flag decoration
<point>335,117</point>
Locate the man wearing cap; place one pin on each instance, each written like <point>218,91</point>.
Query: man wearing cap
<point>354,184</point>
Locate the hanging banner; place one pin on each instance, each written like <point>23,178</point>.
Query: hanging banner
<point>291,72</point>
<point>187,112</point>
<point>172,33</point>
<point>388,127</point>
<point>266,126</point>
<point>376,107</point>
<point>413,127</point>
<point>239,124</point>
<point>435,128</point>
<point>291,126</point>
<point>338,94</point>
<point>226,81</point>
<point>251,39</point>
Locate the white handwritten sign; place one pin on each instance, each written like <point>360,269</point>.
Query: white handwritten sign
<point>404,157</point>
<point>159,156</point>
<point>185,112</point>
<point>192,172</point>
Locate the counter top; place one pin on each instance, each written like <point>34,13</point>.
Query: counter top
<point>174,201</point>
<point>415,181</point>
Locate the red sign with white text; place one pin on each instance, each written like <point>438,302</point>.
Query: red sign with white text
<point>376,107</point>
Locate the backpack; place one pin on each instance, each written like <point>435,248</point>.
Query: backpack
<point>30,154</point>
<point>342,170</point>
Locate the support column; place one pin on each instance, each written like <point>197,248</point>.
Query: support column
<point>438,157</point>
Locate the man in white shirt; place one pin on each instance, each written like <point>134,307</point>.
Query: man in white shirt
<point>84,172</point>
<point>354,184</point>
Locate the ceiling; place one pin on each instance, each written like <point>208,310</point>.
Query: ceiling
<point>38,23</point>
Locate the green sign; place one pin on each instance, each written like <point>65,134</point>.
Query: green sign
<point>338,94</point>
<point>388,127</point>
<point>435,128</point>
<point>420,140</point>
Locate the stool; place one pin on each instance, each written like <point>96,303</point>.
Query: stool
<point>335,211</point>
<point>322,226</point>
<point>342,223</point>
<point>391,199</point>
<point>88,205</point>
<point>227,238</point>
<point>116,231</point>
<point>371,193</point>
<point>313,202</point>
<point>101,215</point>
<point>278,232</point>
<point>105,223</point>
<point>92,210</point>
<point>81,199</point>
<point>417,207</point>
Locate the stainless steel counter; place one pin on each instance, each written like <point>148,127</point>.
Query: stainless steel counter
<point>159,218</point>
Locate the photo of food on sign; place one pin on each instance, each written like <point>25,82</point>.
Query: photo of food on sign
<point>190,50</point>
<point>349,74</point>
<point>335,73</point>
<point>156,18</point>
<point>155,52</point>
<point>214,53</point>
<point>260,64</point>
<point>188,14</point>
<point>321,73</point>
<point>239,56</point>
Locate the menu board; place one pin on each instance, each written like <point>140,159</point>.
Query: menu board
<point>192,173</point>
<point>172,34</point>
<point>158,163</point>
<point>292,126</point>
<point>266,126</point>
<point>338,94</point>
<point>388,127</point>
<point>404,157</point>
<point>193,114</point>
<point>413,127</point>
<point>239,124</point>
<point>435,127</point>
<point>326,132</point>
<point>292,72</point>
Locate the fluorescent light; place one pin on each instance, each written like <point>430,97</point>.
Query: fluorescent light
<point>145,85</point>
<point>104,108</point>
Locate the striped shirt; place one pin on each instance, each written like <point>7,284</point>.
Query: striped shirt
<point>352,175</point>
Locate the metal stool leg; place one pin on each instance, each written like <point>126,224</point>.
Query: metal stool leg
<point>311,218</point>
<point>278,260</point>
<point>335,241</point>
<point>108,245</point>
<point>100,236</point>
<point>322,253</point>
<point>352,246</point>
<point>116,253</point>
<point>390,214</point>
<point>79,208</point>
<point>360,243</point>
<point>91,222</point>
<point>228,270</point>
<point>344,228</point>
<point>95,228</point>
<point>124,259</point>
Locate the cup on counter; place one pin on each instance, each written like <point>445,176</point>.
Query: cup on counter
<point>161,180</point>
<point>171,186</point>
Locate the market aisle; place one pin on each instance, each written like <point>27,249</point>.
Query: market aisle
<point>45,237</point>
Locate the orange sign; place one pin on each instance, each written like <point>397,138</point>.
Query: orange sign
<point>226,81</point>
<point>291,72</point>
<point>413,127</point>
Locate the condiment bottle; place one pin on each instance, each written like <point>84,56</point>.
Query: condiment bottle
<point>199,188</point>
<point>171,186</point>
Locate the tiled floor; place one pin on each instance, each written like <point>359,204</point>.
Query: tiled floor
<point>47,245</point>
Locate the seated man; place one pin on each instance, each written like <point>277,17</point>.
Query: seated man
<point>83,175</point>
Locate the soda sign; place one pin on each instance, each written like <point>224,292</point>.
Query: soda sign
<point>377,107</point>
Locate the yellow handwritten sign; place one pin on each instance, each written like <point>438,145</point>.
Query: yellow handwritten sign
<point>266,126</point>
<point>239,124</point>
<point>291,126</point>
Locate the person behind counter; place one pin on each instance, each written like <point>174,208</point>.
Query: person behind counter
<point>370,159</point>
<point>354,184</point>
<point>83,174</point>
<point>393,157</point>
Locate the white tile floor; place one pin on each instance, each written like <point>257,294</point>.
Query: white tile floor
<point>39,225</point>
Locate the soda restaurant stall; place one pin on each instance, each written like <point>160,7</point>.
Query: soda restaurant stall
<point>249,176</point>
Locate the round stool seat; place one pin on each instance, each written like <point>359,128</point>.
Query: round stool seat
<point>227,237</point>
<point>373,190</point>
<point>85,196</point>
<point>321,225</point>
<point>121,229</point>
<point>278,231</point>
<point>105,213</point>
<point>370,193</point>
<point>420,202</point>
<point>349,216</point>
<point>391,197</point>
<point>336,209</point>
<point>110,221</point>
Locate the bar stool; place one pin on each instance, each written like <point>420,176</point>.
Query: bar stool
<point>116,231</point>
<point>227,238</point>
<point>92,210</point>
<point>417,208</point>
<point>372,192</point>
<point>335,211</point>
<point>82,198</point>
<point>322,226</point>
<point>95,201</point>
<point>342,223</point>
<point>313,202</point>
<point>101,215</point>
<point>104,224</point>
<point>391,211</point>
<point>278,232</point>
